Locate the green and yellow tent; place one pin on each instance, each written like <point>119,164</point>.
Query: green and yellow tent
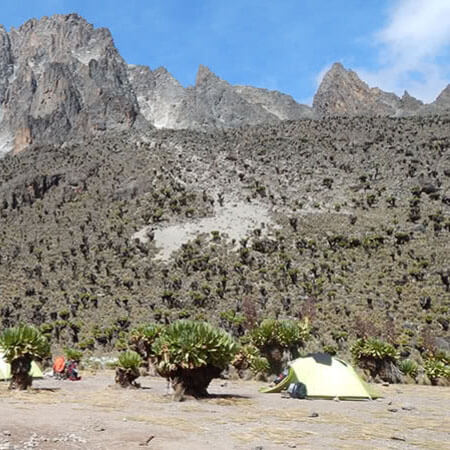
<point>325,376</point>
<point>5,369</point>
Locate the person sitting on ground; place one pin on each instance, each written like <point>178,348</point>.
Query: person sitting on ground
<point>72,371</point>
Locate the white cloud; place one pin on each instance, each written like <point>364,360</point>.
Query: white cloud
<point>414,49</point>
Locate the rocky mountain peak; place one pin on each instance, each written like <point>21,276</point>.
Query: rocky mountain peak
<point>410,103</point>
<point>342,92</point>
<point>443,99</point>
<point>61,77</point>
<point>337,69</point>
<point>58,37</point>
<point>204,75</point>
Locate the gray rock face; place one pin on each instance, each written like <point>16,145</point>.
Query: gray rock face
<point>214,103</point>
<point>159,95</point>
<point>64,78</point>
<point>6,64</point>
<point>6,70</point>
<point>280,105</point>
<point>211,103</point>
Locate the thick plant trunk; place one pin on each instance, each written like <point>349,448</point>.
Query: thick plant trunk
<point>193,382</point>
<point>274,355</point>
<point>384,370</point>
<point>152,370</point>
<point>20,378</point>
<point>126,377</point>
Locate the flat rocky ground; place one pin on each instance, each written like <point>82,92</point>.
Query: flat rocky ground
<point>94,414</point>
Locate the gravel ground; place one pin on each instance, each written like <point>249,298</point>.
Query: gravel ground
<point>94,414</point>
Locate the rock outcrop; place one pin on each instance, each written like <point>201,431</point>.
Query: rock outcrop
<point>280,105</point>
<point>442,102</point>
<point>159,94</point>
<point>213,102</point>
<point>60,77</point>
<point>210,103</point>
<point>343,93</point>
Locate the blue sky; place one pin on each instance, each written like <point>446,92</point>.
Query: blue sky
<point>285,45</point>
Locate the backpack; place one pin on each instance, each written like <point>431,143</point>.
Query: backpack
<point>59,367</point>
<point>297,390</point>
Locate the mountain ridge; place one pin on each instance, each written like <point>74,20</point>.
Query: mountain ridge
<point>61,78</point>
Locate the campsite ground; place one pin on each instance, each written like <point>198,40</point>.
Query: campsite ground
<point>93,414</point>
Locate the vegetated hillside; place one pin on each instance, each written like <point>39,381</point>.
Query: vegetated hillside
<point>361,242</point>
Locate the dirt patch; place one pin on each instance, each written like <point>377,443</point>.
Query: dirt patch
<point>94,414</point>
<point>236,219</point>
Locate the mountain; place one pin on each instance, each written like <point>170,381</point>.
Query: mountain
<point>442,102</point>
<point>343,93</point>
<point>210,103</point>
<point>61,79</point>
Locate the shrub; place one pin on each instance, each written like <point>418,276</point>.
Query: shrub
<point>409,368</point>
<point>373,348</point>
<point>249,357</point>
<point>127,369</point>
<point>191,353</point>
<point>73,354</point>
<point>377,357</point>
<point>129,360</point>
<point>330,349</point>
<point>142,338</point>
<point>22,345</point>
<point>272,337</point>
<point>438,366</point>
<point>233,322</point>
<point>280,333</point>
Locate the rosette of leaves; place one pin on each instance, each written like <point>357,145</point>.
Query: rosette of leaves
<point>127,370</point>
<point>377,357</point>
<point>272,337</point>
<point>438,367</point>
<point>141,339</point>
<point>282,333</point>
<point>373,348</point>
<point>409,367</point>
<point>249,357</point>
<point>21,345</point>
<point>191,353</point>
